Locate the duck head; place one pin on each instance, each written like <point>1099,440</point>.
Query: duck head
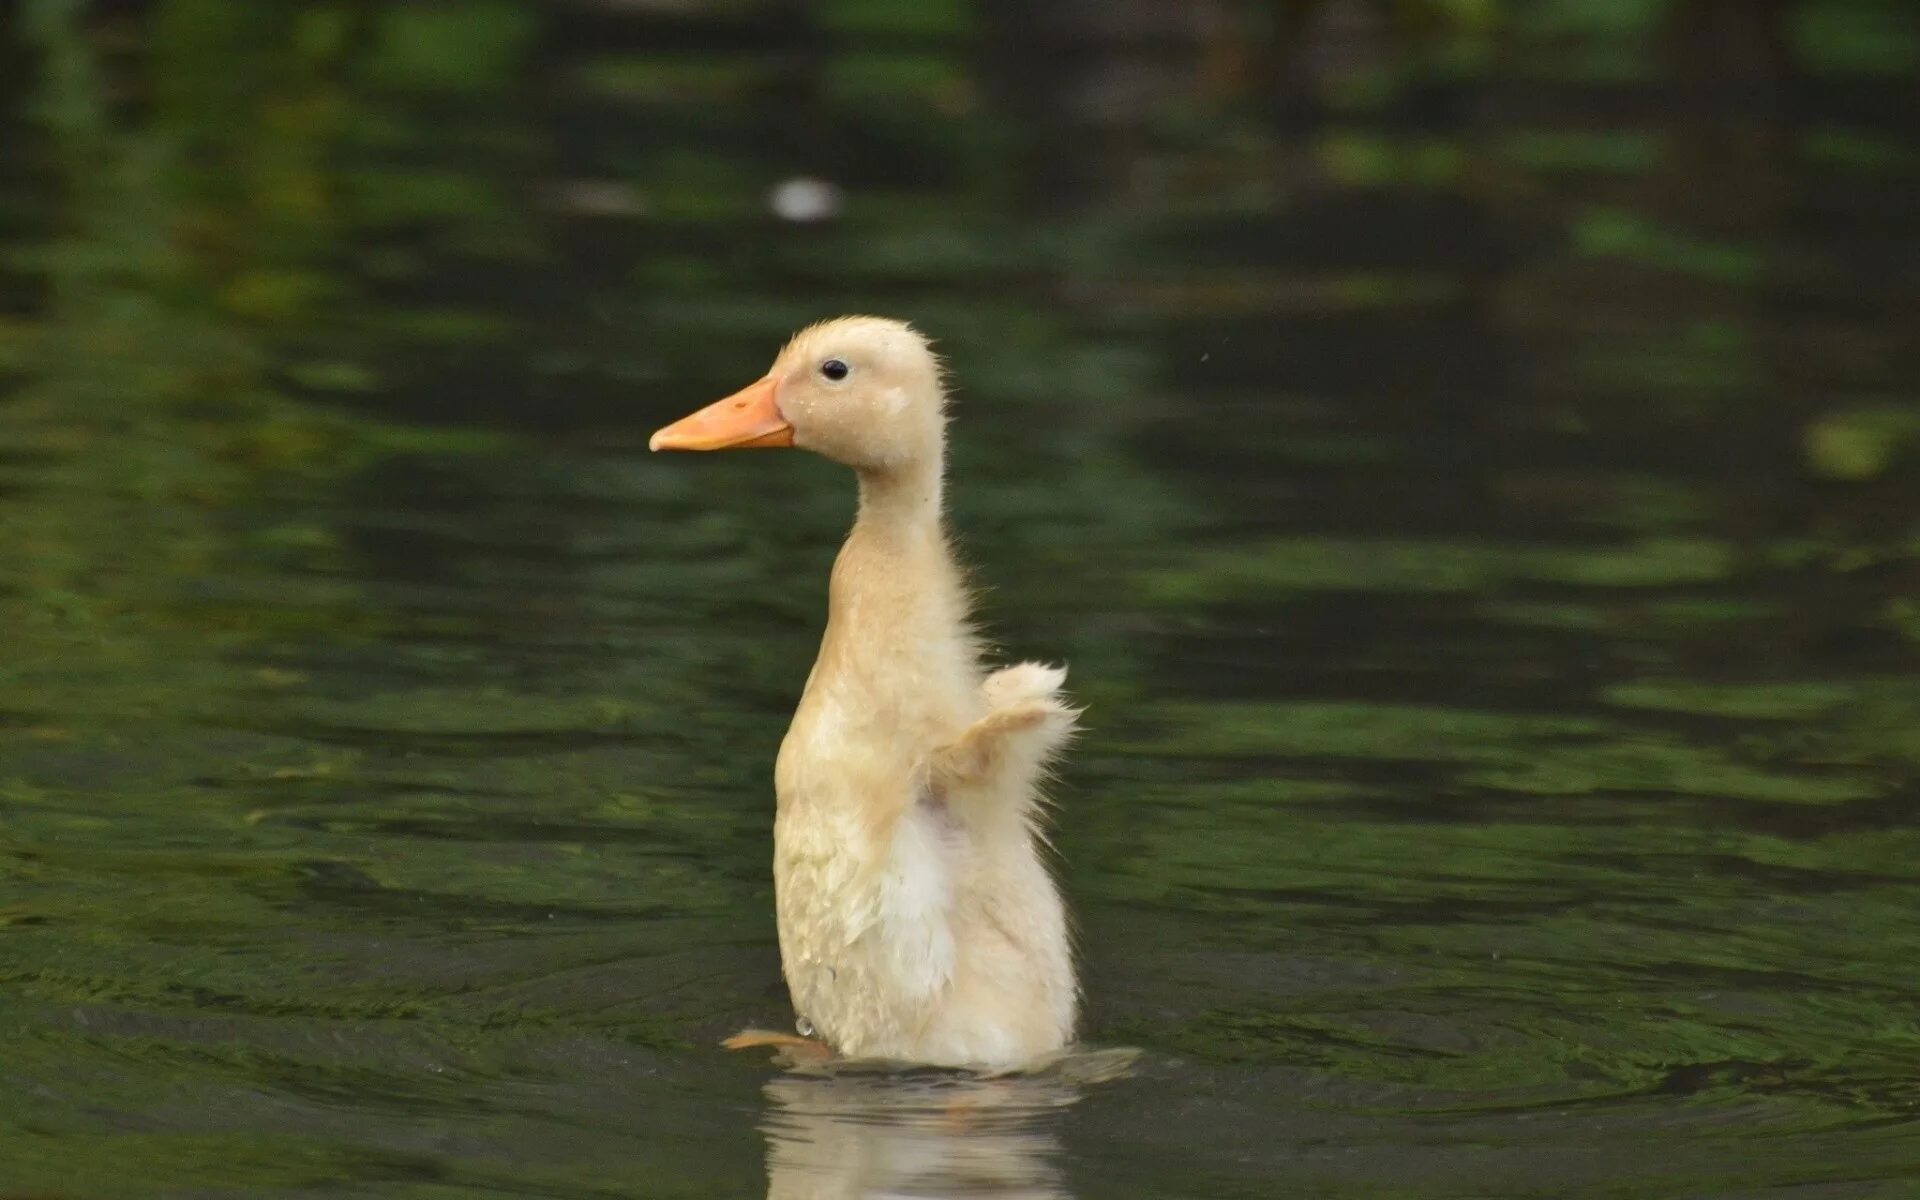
<point>862,391</point>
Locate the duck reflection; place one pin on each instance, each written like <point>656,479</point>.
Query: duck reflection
<point>850,1132</point>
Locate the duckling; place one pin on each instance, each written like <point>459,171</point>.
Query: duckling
<point>918,920</point>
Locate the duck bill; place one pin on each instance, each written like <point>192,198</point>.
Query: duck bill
<point>748,419</point>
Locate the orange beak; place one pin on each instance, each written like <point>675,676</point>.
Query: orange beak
<point>747,419</point>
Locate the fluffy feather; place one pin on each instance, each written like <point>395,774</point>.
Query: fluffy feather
<point>917,919</point>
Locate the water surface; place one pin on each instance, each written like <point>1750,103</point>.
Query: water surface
<point>1469,465</point>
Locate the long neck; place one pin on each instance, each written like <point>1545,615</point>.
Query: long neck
<point>895,576</point>
<point>903,501</point>
<point>897,633</point>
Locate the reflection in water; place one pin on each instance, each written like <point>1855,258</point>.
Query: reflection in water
<point>850,1134</point>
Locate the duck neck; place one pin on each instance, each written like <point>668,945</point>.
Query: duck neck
<point>900,503</point>
<point>898,652</point>
<point>895,581</point>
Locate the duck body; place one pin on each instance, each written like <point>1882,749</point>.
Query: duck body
<point>917,918</point>
<point>917,922</point>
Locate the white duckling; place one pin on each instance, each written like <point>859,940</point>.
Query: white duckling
<point>918,921</point>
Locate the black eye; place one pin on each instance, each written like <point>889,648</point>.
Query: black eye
<point>834,369</point>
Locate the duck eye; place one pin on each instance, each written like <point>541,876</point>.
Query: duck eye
<point>834,369</point>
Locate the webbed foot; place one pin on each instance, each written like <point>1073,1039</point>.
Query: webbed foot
<point>790,1049</point>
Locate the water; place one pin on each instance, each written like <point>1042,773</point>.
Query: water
<point>1469,465</point>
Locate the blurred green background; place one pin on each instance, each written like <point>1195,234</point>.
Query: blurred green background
<point>1466,449</point>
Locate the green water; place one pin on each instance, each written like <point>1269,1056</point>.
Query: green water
<point>1470,465</point>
